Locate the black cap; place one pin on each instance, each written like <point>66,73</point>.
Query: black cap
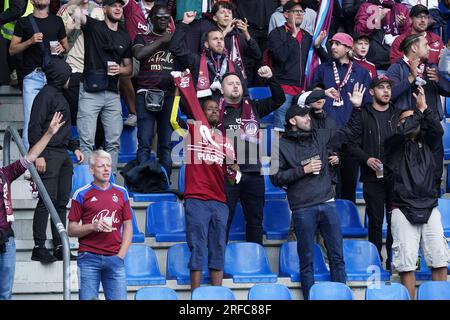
<point>380,79</point>
<point>111,2</point>
<point>314,96</point>
<point>296,110</point>
<point>418,9</point>
<point>292,3</point>
<point>358,36</point>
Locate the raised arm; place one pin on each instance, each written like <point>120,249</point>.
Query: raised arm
<point>53,128</point>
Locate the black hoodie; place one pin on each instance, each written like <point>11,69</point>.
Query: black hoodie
<point>410,164</point>
<point>48,101</point>
<point>295,151</point>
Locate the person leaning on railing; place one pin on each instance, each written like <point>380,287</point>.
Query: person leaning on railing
<point>7,175</point>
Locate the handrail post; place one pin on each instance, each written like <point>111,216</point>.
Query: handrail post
<point>11,132</point>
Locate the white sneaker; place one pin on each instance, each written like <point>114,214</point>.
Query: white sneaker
<point>131,120</point>
<point>13,79</point>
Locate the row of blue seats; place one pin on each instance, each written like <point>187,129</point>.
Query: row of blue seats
<point>433,290</point>
<point>165,220</point>
<point>248,263</point>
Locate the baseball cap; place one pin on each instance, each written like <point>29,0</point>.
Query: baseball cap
<point>380,79</point>
<point>343,38</point>
<point>111,2</point>
<point>358,36</point>
<point>314,96</point>
<point>417,9</point>
<point>292,3</point>
<point>298,107</point>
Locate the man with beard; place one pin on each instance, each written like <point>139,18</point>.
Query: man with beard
<point>107,58</point>
<point>205,201</point>
<point>420,15</point>
<point>303,159</point>
<point>416,220</point>
<point>210,66</point>
<point>343,74</point>
<point>32,37</point>
<point>289,46</point>
<point>413,71</point>
<point>368,128</point>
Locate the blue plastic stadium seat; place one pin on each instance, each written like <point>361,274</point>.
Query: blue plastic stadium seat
<point>142,267</point>
<point>128,144</point>
<point>237,228</point>
<point>446,140</point>
<point>270,291</point>
<point>444,209</point>
<point>272,192</point>
<point>213,293</point>
<point>434,290</point>
<point>382,291</point>
<point>350,223</point>
<point>447,107</point>
<point>359,190</point>
<point>330,291</point>
<point>137,235</point>
<point>81,177</point>
<point>383,228</point>
<point>247,262</point>
<point>181,173</point>
<point>156,293</point>
<point>289,263</point>
<point>177,268</point>
<point>259,93</point>
<point>276,219</point>
<point>166,221</point>
<point>362,261</point>
<point>155,197</point>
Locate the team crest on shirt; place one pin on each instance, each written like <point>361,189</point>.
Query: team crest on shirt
<point>115,198</point>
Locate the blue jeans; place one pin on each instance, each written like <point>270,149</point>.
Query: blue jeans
<point>280,114</point>
<point>307,220</point>
<point>32,84</point>
<point>96,268</point>
<point>146,127</point>
<point>7,268</point>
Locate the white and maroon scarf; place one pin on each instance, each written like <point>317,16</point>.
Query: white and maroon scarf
<point>236,56</point>
<point>340,84</point>
<point>222,64</point>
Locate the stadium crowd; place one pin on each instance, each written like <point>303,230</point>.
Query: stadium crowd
<point>356,91</point>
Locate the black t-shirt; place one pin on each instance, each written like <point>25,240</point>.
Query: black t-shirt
<point>155,71</point>
<point>383,118</point>
<point>101,44</point>
<point>232,121</point>
<point>53,29</point>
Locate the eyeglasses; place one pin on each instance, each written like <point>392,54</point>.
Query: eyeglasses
<point>160,16</point>
<point>297,11</point>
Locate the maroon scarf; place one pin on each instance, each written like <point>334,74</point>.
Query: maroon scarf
<point>236,56</point>
<point>249,126</point>
<point>220,66</point>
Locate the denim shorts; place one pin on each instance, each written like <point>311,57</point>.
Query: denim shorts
<point>206,224</point>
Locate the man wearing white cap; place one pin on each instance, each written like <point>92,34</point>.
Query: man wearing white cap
<point>303,168</point>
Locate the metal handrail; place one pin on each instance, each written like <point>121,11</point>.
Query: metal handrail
<point>11,132</point>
